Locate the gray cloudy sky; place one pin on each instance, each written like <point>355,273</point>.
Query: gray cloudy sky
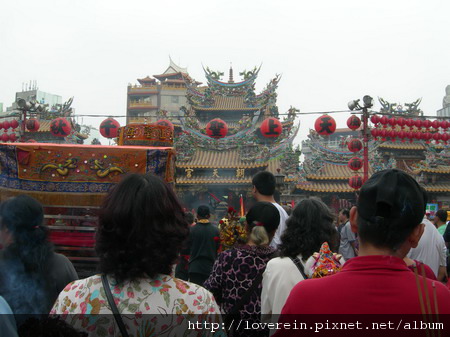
<point>328,51</point>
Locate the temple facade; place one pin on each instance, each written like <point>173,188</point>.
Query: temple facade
<point>219,171</point>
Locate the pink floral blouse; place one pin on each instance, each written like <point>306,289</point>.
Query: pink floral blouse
<point>163,306</point>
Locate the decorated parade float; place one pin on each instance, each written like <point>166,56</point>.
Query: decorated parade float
<point>71,180</point>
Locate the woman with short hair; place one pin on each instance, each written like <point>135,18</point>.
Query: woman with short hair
<point>141,232</point>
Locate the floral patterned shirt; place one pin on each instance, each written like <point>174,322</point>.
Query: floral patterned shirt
<point>163,306</point>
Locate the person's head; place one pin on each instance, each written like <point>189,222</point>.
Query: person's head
<point>263,184</point>
<point>440,218</point>
<point>262,222</point>
<point>189,217</point>
<point>344,215</point>
<point>308,227</point>
<point>203,212</point>
<point>141,228</point>
<point>389,212</point>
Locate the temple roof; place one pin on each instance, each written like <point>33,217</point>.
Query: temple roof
<point>218,159</point>
<point>325,187</point>
<point>402,146</point>
<point>335,172</point>
<point>146,80</point>
<point>227,103</point>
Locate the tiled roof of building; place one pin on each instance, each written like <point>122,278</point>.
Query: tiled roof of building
<point>325,187</point>
<point>440,169</point>
<point>402,146</point>
<point>335,172</point>
<point>228,103</point>
<point>218,159</point>
<point>442,187</point>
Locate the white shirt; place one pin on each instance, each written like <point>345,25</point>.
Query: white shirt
<point>431,249</point>
<point>280,276</point>
<point>276,241</point>
<point>347,238</point>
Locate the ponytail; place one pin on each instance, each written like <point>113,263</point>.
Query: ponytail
<point>258,234</point>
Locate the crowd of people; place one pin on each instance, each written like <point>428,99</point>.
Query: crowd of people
<point>158,260</point>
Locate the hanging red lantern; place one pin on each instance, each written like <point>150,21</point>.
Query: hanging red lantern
<point>12,137</point>
<point>375,133</point>
<point>444,124</point>
<point>325,125</point>
<point>60,127</point>
<point>392,135</point>
<point>4,137</point>
<point>428,137</point>
<point>402,135</point>
<point>409,122</point>
<point>375,119</point>
<point>217,128</point>
<point>426,123</point>
<point>418,123</point>
<point>383,134</point>
<point>355,163</point>
<point>355,182</point>
<point>417,135</point>
<point>445,137</point>
<point>165,122</point>
<point>392,121</point>
<point>355,145</point>
<point>109,128</point>
<point>384,121</point>
<point>437,137</point>
<point>6,125</point>
<point>32,124</point>
<point>435,124</point>
<point>353,122</point>
<point>271,127</point>
<point>14,123</point>
<point>401,121</point>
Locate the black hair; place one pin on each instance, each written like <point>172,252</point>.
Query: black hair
<point>345,212</point>
<point>266,213</point>
<point>264,182</point>
<point>442,215</point>
<point>24,279</point>
<point>203,211</point>
<point>141,229</point>
<point>48,327</point>
<point>308,227</point>
<point>189,217</point>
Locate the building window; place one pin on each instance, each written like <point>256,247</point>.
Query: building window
<point>175,99</point>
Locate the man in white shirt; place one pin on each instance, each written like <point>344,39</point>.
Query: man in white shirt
<point>347,247</point>
<point>431,250</point>
<point>263,189</point>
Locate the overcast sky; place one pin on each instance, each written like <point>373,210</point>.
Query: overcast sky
<point>328,51</point>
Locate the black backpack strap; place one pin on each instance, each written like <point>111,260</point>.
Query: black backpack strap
<point>300,267</point>
<point>112,304</point>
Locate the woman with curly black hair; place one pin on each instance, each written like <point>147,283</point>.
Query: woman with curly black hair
<point>141,232</point>
<point>31,273</point>
<point>308,227</point>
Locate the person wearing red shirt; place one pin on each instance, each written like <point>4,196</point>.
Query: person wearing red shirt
<point>388,218</point>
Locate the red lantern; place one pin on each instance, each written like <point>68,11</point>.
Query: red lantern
<point>392,121</point>
<point>12,137</point>
<point>353,122</point>
<point>14,123</point>
<point>271,127</point>
<point>402,135</point>
<point>383,134</point>
<point>384,121</point>
<point>355,163</point>
<point>435,124</point>
<point>444,124</point>
<point>109,128</point>
<point>445,137</point>
<point>426,123</point>
<point>6,125</point>
<point>375,119</point>
<point>60,127</point>
<point>392,135</point>
<point>375,133</point>
<point>437,137</point>
<point>401,121</point>
<point>428,137</point>
<point>418,123</point>
<point>355,182</point>
<point>417,135</point>
<point>325,125</point>
<point>355,145</point>
<point>217,128</point>
<point>165,122</point>
<point>409,122</point>
<point>32,124</point>
<point>4,137</point>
